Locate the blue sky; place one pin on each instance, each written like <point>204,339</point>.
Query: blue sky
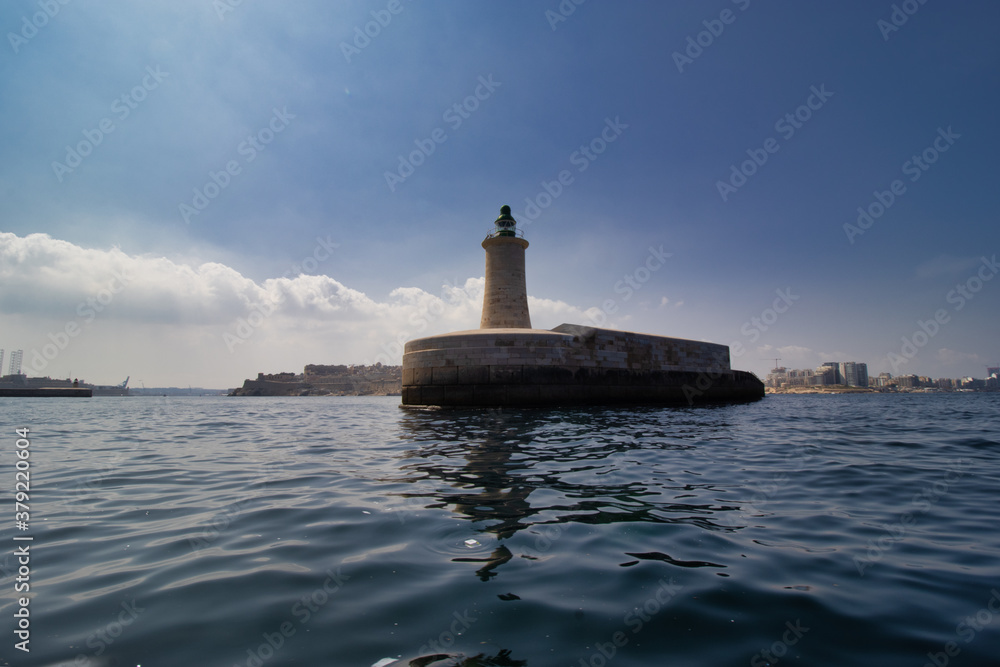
<point>195,191</point>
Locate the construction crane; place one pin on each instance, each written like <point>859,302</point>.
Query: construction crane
<point>776,360</point>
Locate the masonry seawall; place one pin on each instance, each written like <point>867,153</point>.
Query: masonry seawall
<point>569,365</point>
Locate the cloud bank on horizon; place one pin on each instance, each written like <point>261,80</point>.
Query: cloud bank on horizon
<point>198,191</point>
<point>212,317</point>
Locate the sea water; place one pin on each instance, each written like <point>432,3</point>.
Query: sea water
<point>323,531</point>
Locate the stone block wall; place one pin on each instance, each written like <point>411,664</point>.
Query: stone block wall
<point>608,348</point>
<point>569,364</point>
<point>505,299</point>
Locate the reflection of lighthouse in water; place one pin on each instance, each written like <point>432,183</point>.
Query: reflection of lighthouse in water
<point>491,462</point>
<point>482,484</point>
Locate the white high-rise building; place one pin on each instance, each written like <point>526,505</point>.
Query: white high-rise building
<point>15,362</point>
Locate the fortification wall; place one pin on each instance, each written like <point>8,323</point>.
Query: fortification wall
<point>569,364</point>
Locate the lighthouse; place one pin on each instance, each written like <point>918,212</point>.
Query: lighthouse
<point>507,363</point>
<point>505,299</point>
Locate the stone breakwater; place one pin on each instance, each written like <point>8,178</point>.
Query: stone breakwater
<point>570,364</point>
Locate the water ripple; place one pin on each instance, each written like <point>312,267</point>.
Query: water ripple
<point>341,531</point>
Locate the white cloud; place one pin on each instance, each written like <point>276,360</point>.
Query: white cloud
<point>664,301</point>
<point>105,314</point>
<point>954,357</point>
<point>796,351</point>
<point>946,265</point>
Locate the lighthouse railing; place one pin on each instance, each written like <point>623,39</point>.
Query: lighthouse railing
<point>500,231</point>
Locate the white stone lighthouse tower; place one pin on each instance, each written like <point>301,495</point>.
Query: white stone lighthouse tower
<point>505,301</point>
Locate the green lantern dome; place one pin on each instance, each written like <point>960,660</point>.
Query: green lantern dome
<point>505,223</point>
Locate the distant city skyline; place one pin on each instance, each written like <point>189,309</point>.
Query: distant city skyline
<point>855,374</point>
<point>220,189</point>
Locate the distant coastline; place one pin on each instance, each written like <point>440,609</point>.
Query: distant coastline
<point>840,377</point>
<point>837,389</point>
<point>840,389</point>
<point>381,380</point>
<point>320,380</point>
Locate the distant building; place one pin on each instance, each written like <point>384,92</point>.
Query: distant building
<point>831,369</point>
<point>777,378</point>
<point>854,373</point>
<point>973,383</point>
<point>800,378</point>
<point>327,380</point>
<point>15,362</point>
